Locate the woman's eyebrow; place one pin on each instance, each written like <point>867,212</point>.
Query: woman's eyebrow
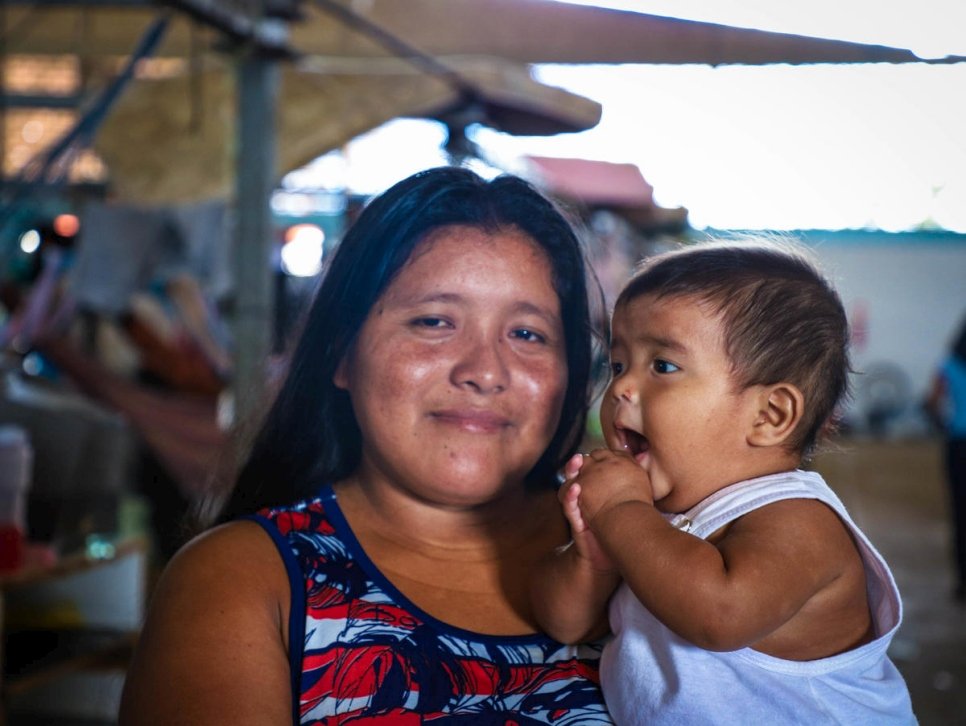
<point>521,306</point>
<point>443,297</point>
<point>529,308</point>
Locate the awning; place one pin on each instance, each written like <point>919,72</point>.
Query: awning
<point>606,185</point>
<point>157,153</point>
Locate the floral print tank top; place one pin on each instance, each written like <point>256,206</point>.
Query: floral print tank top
<point>363,654</point>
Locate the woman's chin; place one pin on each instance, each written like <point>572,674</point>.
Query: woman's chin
<point>471,486</point>
<point>465,498</point>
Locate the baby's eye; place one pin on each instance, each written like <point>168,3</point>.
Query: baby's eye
<point>664,366</point>
<point>616,368</point>
<point>528,335</point>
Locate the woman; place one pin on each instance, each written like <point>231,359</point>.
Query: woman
<point>403,481</point>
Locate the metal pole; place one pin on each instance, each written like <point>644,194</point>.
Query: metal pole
<point>257,80</point>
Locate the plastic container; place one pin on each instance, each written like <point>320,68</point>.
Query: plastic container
<point>16,467</point>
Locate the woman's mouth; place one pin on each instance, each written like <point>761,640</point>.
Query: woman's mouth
<point>473,420</point>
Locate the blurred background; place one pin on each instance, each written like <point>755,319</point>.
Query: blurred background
<point>175,174</point>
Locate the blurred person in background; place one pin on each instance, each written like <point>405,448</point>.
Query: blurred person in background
<point>946,405</point>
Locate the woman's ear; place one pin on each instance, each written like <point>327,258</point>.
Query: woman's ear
<point>340,379</point>
<point>780,408</point>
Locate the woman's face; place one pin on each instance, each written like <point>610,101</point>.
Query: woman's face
<point>458,375</point>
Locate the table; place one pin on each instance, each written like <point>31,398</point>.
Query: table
<point>63,621</point>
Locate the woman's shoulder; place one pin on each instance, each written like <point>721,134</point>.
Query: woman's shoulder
<point>226,555</point>
<point>230,578</point>
<point>225,588</point>
<point>213,542</point>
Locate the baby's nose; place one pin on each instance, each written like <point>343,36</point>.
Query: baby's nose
<point>625,390</point>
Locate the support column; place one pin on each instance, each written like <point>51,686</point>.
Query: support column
<point>257,90</point>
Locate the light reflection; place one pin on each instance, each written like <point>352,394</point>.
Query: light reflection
<point>30,241</point>
<point>66,225</point>
<point>302,251</point>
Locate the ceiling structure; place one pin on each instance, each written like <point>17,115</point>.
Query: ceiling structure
<point>524,31</point>
<point>348,66</point>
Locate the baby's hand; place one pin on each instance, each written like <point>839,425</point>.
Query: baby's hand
<point>607,479</point>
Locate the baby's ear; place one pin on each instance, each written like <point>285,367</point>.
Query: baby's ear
<point>780,408</point>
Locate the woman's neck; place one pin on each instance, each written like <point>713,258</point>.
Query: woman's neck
<point>398,514</point>
<point>467,566</point>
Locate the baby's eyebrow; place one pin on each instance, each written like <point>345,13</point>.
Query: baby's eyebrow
<point>662,342</point>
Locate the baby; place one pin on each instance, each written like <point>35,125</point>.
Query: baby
<point>744,591</point>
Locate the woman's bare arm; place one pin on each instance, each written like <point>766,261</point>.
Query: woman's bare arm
<point>213,648</point>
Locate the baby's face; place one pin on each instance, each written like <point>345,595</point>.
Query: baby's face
<point>672,402</point>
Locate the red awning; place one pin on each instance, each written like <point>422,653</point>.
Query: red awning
<point>593,183</point>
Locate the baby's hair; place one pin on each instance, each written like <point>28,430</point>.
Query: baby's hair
<point>783,320</point>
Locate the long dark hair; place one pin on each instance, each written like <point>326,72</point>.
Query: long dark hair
<point>310,434</point>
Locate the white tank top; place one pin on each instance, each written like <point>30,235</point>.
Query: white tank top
<point>651,676</point>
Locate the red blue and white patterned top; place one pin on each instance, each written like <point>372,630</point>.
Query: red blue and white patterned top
<point>363,654</point>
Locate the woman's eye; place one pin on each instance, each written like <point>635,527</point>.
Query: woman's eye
<point>430,322</point>
<point>663,366</point>
<point>528,335</point>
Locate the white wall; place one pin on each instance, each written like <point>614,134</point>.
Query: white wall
<point>911,290</point>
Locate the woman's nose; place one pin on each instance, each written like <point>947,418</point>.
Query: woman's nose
<point>482,365</point>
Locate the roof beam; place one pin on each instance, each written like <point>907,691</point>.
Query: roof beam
<point>30,100</point>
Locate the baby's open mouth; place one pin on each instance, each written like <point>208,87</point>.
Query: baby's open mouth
<point>634,443</point>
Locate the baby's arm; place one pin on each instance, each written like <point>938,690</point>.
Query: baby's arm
<point>571,586</point>
<point>733,591</point>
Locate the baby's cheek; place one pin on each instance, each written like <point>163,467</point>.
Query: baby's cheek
<point>607,421</point>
